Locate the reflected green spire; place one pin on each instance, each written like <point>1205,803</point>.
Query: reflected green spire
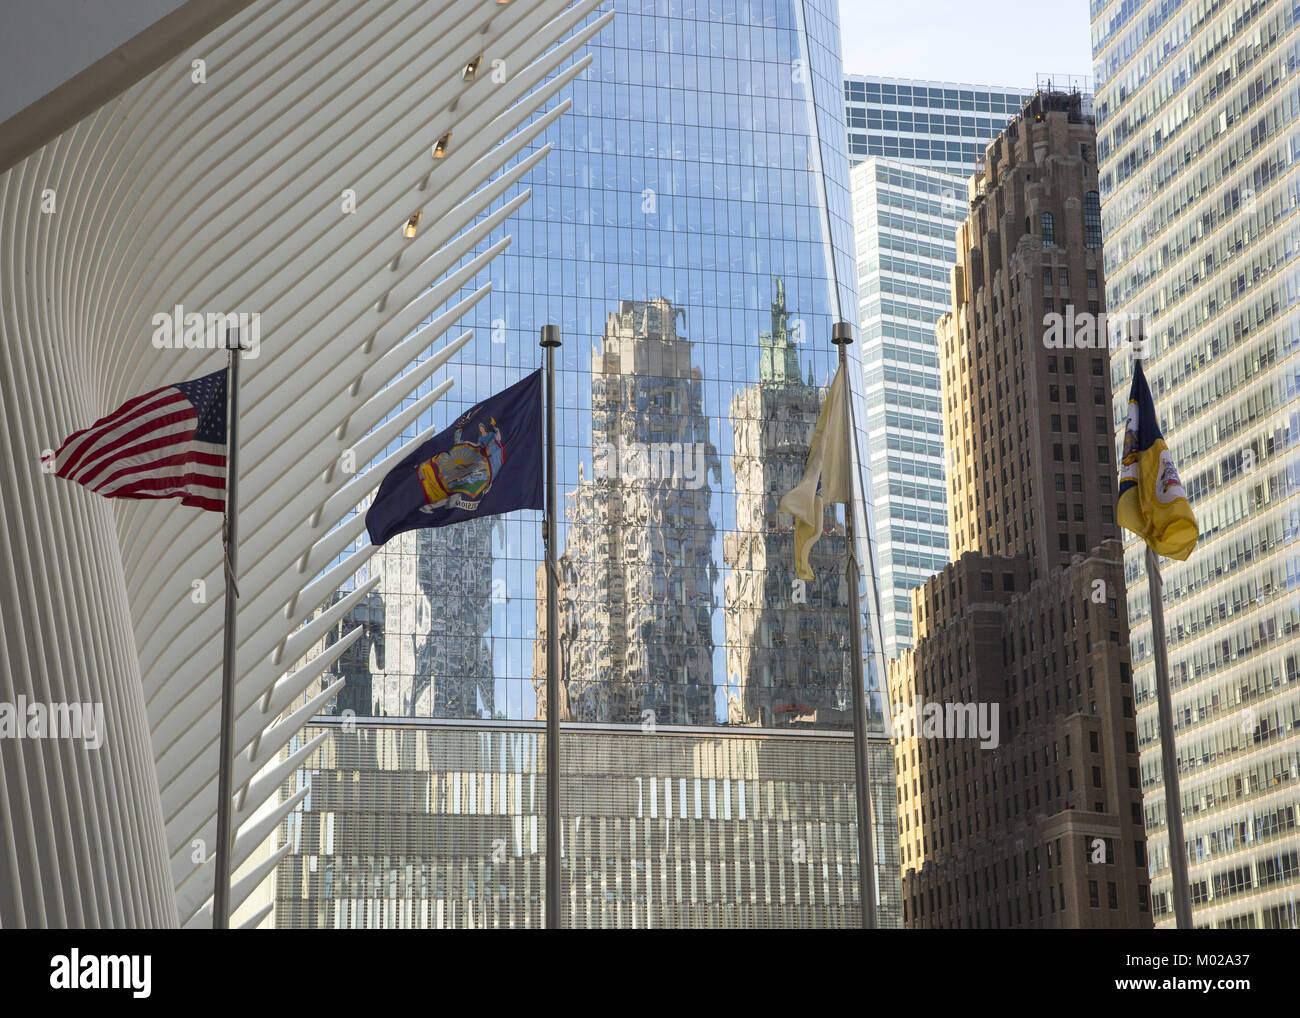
<point>780,360</point>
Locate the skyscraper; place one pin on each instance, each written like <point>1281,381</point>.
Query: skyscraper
<point>904,218</point>
<point>1200,208</point>
<point>1015,736</point>
<point>638,576</point>
<point>703,158</point>
<point>360,663</point>
<point>438,622</point>
<point>787,639</point>
<point>942,125</point>
<point>913,144</point>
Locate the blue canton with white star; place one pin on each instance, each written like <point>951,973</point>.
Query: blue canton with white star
<point>208,394</point>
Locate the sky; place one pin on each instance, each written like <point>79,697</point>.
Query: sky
<point>983,42</point>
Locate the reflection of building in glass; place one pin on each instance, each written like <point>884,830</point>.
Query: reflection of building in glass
<point>359,665</point>
<point>637,576</point>
<point>1198,202</point>
<point>426,649</point>
<point>442,615</point>
<point>786,640</point>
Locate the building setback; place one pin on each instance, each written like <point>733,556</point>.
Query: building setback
<point>1038,823</point>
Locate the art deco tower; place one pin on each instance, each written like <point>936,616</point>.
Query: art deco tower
<point>1041,825</point>
<point>637,575</point>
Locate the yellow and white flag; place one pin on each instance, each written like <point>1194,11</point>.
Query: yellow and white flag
<point>825,479</point>
<point>1152,502</point>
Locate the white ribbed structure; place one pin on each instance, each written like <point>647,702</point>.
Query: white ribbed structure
<point>227,196</point>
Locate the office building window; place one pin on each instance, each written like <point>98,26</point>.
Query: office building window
<point>1092,220</point>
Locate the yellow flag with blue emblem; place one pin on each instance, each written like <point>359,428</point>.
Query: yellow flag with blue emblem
<point>1152,502</point>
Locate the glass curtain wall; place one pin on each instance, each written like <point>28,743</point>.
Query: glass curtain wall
<point>690,235</point>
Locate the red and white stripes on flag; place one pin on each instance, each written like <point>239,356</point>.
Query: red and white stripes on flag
<point>168,443</point>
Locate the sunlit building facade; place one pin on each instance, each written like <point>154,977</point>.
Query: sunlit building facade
<point>688,193</point>
<point>1040,824</point>
<point>1200,210</point>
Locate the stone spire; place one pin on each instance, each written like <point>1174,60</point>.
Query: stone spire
<point>780,360</point>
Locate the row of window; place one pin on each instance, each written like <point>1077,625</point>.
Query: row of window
<point>935,98</point>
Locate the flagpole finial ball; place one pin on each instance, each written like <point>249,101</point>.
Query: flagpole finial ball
<point>842,333</point>
<point>550,335</point>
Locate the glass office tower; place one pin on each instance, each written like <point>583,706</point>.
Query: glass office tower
<point>1200,209</point>
<point>689,229</point>
<point>939,124</point>
<point>913,145</point>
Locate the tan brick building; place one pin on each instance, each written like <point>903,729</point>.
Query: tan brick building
<point>1039,823</point>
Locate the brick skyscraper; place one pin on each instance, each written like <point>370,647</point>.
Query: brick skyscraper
<point>1041,825</point>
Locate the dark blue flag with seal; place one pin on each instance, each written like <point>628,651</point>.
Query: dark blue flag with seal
<point>487,463</point>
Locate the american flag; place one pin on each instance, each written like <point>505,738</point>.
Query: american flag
<point>167,443</point>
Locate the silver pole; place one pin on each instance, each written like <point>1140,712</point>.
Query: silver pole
<point>549,341</point>
<point>221,890</point>
<point>1168,749</point>
<point>842,336</point>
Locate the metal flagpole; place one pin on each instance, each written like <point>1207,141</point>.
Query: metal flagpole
<point>550,340</point>
<point>1168,750</point>
<point>842,336</point>
<point>230,539</point>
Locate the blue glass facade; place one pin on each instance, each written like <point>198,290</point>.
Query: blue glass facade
<point>690,234</point>
<point>700,170</point>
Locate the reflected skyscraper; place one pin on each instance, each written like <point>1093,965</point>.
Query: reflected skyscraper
<point>787,640</point>
<point>438,597</point>
<point>426,645</point>
<point>360,664</point>
<point>636,597</point>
